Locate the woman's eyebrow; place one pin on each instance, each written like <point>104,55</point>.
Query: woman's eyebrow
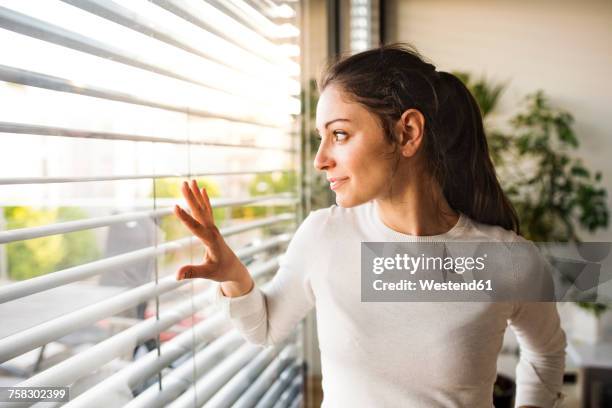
<point>335,120</point>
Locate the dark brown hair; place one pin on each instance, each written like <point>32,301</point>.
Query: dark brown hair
<point>394,78</point>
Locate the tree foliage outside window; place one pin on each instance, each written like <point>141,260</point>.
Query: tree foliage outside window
<point>266,184</point>
<point>35,257</point>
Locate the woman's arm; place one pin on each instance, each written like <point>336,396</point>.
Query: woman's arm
<point>536,323</point>
<point>539,373</point>
<point>267,315</point>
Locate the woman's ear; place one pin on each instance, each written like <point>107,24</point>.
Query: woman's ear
<point>409,130</point>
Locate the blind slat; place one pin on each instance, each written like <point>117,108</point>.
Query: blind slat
<point>30,129</point>
<point>40,80</point>
<point>50,180</point>
<point>72,226</point>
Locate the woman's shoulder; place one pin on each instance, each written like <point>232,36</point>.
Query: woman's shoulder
<point>532,272</point>
<point>490,233</point>
<point>316,222</point>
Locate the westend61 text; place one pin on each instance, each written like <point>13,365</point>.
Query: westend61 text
<point>431,285</point>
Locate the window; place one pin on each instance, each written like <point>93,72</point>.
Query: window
<point>107,106</point>
<point>364,26</point>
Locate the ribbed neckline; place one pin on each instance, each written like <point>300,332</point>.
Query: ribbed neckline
<point>393,235</point>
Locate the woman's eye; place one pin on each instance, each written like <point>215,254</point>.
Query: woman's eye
<point>340,135</point>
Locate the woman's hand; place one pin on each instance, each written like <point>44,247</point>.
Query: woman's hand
<point>220,263</point>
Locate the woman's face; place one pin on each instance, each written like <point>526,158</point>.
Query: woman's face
<point>353,152</point>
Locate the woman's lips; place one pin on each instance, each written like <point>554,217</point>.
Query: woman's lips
<point>335,183</point>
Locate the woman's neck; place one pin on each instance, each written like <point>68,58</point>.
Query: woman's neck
<point>419,209</point>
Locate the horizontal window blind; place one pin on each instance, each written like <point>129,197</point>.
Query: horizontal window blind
<point>107,107</point>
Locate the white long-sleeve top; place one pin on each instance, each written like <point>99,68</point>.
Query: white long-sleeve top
<point>411,354</point>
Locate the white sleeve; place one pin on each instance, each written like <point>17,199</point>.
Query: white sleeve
<point>542,341</point>
<point>539,373</point>
<point>267,315</point>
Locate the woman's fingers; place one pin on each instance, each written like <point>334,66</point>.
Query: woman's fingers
<point>196,209</point>
<point>207,204</point>
<point>201,223</point>
<point>194,226</point>
<point>197,194</point>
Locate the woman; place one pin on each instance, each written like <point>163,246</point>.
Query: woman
<point>404,149</point>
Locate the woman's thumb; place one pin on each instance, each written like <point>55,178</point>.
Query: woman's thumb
<point>192,271</point>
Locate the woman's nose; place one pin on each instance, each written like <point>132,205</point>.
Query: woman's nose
<point>323,159</point>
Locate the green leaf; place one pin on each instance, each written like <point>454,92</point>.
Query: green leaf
<point>580,171</point>
<point>566,135</point>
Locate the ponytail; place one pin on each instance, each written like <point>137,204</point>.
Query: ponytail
<point>467,177</point>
